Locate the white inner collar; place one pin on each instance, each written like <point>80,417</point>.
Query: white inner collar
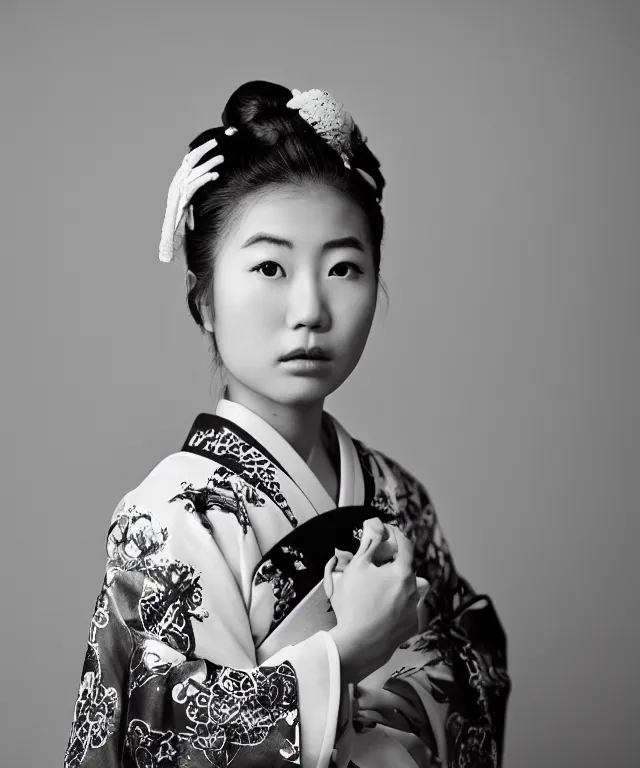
<point>351,491</point>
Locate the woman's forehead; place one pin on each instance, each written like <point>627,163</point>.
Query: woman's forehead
<point>301,212</point>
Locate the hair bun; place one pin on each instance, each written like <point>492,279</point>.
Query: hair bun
<point>260,108</point>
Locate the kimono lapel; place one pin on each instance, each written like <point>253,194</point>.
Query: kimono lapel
<point>277,542</point>
<point>351,491</point>
<point>288,602</point>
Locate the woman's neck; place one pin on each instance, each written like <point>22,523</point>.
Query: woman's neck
<point>300,425</point>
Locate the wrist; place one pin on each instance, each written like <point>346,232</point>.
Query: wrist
<point>348,668</point>
<point>344,711</point>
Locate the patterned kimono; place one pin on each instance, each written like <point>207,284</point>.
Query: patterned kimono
<point>209,642</point>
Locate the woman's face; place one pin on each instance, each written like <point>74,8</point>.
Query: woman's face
<point>295,272</point>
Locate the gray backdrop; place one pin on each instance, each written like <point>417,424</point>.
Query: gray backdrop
<point>505,372</point>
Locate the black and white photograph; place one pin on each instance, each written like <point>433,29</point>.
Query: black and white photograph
<point>321,381</point>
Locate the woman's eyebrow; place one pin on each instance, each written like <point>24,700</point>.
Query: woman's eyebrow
<point>340,242</point>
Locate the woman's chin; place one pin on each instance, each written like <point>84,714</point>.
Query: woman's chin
<point>304,390</point>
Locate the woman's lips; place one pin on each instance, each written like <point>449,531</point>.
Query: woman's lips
<point>307,366</point>
<point>315,353</point>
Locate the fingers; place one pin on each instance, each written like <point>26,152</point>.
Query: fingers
<point>328,579</point>
<point>202,175</point>
<point>344,557</point>
<point>202,169</point>
<point>190,220</point>
<point>185,183</point>
<point>191,158</point>
<point>382,701</point>
<point>195,185</point>
<point>394,718</point>
<point>190,177</point>
<point>363,726</point>
<point>373,532</point>
<point>369,718</point>
<point>378,705</point>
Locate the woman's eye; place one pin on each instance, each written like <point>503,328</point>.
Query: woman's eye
<point>344,268</point>
<point>268,268</point>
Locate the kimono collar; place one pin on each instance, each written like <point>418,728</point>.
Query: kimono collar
<point>351,491</point>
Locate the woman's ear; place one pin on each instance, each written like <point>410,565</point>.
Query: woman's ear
<point>203,308</point>
<point>190,280</point>
<point>206,317</point>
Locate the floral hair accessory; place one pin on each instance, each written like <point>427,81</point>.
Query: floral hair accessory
<point>326,116</point>
<point>331,121</point>
<point>187,180</point>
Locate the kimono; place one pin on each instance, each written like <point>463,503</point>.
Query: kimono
<point>209,644</point>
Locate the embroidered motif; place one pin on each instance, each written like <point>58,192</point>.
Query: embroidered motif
<point>228,709</point>
<point>171,597</point>
<point>94,714</point>
<point>171,592</point>
<point>150,658</point>
<point>382,502</point>
<point>236,708</point>
<point>224,710</point>
<point>470,746</point>
<point>399,494</point>
<point>224,492</point>
<point>249,463</point>
<point>133,537</point>
<point>456,670</point>
<point>296,556</point>
<point>156,749</point>
<point>282,586</point>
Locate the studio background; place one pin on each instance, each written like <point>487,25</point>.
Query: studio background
<point>504,373</point>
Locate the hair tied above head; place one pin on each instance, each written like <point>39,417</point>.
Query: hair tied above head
<point>187,180</point>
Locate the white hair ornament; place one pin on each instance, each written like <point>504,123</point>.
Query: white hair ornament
<point>185,183</point>
<point>331,121</point>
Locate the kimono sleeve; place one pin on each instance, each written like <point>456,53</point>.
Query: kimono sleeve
<point>147,699</point>
<point>456,675</point>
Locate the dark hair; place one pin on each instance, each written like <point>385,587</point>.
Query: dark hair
<point>273,145</point>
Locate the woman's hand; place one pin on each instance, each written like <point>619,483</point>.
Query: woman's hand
<point>385,551</point>
<point>375,605</point>
<point>374,705</point>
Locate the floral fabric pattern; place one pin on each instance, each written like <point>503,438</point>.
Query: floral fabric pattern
<point>94,716</point>
<point>166,681</point>
<point>245,460</point>
<point>216,714</point>
<point>225,492</point>
<point>462,653</point>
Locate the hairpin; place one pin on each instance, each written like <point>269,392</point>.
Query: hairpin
<point>187,180</point>
<point>331,121</point>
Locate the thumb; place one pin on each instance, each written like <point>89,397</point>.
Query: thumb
<point>328,579</point>
<point>372,536</point>
<point>344,557</point>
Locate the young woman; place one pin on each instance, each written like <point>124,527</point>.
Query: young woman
<point>276,592</point>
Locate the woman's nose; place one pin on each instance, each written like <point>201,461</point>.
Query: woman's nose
<point>307,305</point>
